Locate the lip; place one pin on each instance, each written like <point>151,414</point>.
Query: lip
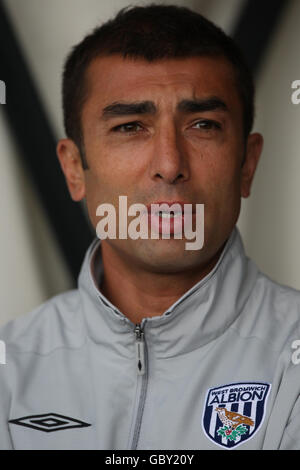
<point>185,210</point>
<point>174,225</point>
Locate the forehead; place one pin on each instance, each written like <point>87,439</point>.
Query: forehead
<point>165,81</point>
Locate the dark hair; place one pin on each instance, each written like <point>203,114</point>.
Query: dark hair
<point>152,32</point>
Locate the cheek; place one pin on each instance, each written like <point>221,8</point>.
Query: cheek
<point>97,191</point>
<point>217,171</point>
<point>114,162</point>
<point>227,195</point>
<point>218,177</point>
<point>104,184</point>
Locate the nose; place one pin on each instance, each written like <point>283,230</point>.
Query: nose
<point>169,160</point>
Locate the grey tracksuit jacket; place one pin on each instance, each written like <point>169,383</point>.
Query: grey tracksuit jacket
<point>216,371</point>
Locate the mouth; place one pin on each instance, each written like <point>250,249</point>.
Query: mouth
<point>169,209</point>
<point>168,217</point>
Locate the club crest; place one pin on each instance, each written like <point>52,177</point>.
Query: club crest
<point>234,412</point>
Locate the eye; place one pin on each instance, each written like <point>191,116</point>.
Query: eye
<point>128,127</point>
<point>207,125</point>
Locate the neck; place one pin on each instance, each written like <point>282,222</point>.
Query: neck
<point>138,293</point>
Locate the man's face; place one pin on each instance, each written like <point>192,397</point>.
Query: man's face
<point>170,149</point>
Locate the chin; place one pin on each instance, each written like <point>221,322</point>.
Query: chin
<point>168,256</point>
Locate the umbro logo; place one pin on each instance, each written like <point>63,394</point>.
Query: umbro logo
<point>49,422</point>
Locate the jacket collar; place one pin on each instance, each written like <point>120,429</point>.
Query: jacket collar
<point>202,314</point>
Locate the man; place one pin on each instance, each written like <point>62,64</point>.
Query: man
<point>160,347</point>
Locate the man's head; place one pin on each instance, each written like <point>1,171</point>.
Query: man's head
<point>150,33</point>
<point>158,105</point>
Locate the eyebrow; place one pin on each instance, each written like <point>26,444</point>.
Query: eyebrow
<point>201,105</point>
<point>127,109</point>
<point>148,107</point>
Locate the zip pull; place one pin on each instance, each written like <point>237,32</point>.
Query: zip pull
<point>140,349</point>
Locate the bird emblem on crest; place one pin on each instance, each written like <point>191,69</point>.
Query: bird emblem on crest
<point>233,423</point>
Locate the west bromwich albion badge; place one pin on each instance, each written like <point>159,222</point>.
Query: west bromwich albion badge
<point>234,412</point>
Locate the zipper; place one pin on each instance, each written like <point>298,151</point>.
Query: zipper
<point>139,349</point>
<point>142,372</point>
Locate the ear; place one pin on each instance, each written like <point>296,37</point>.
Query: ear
<point>71,165</point>
<point>253,152</point>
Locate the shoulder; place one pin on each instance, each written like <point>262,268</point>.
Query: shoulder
<point>54,324</point>
<point>282,303</point>
<point>272,313</point>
